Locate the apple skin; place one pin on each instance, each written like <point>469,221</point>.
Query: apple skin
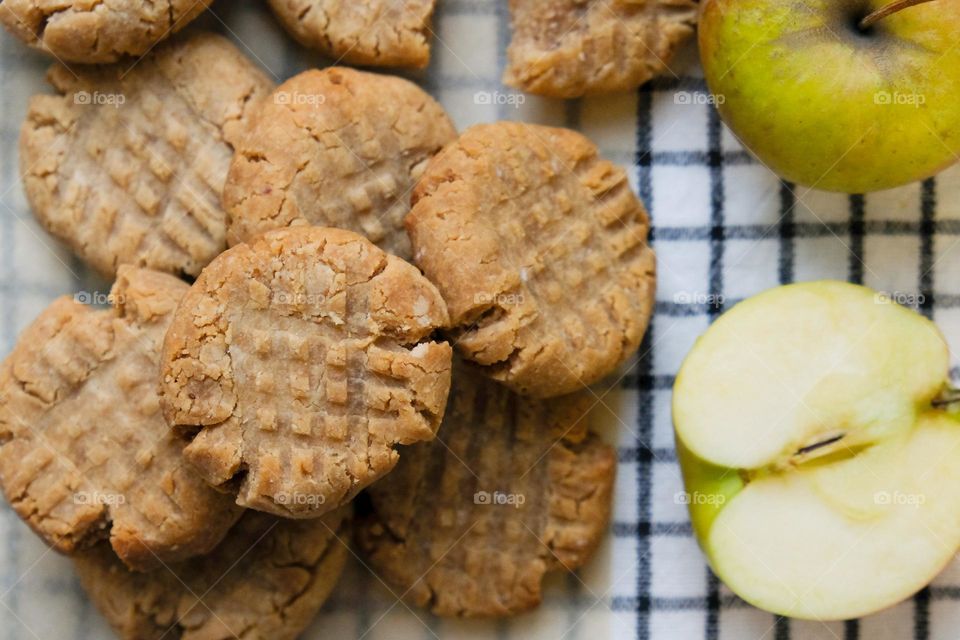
<point>807,93</point>
<point>701,478</point>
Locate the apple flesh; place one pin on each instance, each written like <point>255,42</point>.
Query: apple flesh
<point>824,483</point>
<point>828,105</point>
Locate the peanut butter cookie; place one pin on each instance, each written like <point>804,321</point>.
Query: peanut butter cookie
<point>128,168</point>
<point>85,451</point>
<point>267,579</point>
<point>297,362</point>
<point>338,148</point>
<point>539,249</point>
<point>571,48</point>
<point>511,489</point>
<point>393,33</point>
<point>91,31</point>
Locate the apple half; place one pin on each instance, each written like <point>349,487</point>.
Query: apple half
<point>821,463</point>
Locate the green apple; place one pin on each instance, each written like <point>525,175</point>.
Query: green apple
<point>829,104</point>
<point>820,457</point>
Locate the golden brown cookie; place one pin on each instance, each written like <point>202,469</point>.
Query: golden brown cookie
<point>97,31</point>
<point>539,249</point>
<point>338,148</point>
<point>85,451</point>
<point>512,488</point>
<point>267,579</point>
<point>393,33</point>
<point>128,167</point>
<point>571,48</point>
<point>297,362</point>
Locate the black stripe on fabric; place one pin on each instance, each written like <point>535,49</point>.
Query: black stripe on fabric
<point>685,309</point>
<point>716,289</point>
<point>677,603</point>
<point>928,207</point>
<point>851,630</point>
<point>781,628</point>
<point>644,455</point>
<point>788,232</point>
<point>644,371</point>
<point>693,158</point>
<point>713,607</point>
<point>807,230</point>
<point>656,529</point>
<point>921,615</point>
<point>717,205</point>
<point>857,232</point>
<point>643,380</point>
<point>928,224</point>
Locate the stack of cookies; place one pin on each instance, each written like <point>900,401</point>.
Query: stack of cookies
<point>333,319</point>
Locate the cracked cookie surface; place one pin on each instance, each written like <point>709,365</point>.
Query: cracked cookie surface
<point>267,579</point>
<point>297,362</point>
<point>393,33</point>
<point>97,31</point>
<point>86,453</point>
<point>128,168</point>
<point>338,148</point>
<point>571,48</point>
<point>539,249</point>
<point>512,488</point>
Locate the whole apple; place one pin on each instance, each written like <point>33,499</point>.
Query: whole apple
<point>820,455</point>
<point>831,104</point>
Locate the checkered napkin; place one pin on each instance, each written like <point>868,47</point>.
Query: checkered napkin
<point>724,228</point>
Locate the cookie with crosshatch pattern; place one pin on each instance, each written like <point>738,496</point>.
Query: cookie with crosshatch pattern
<point>267,579</point>
<point>127,165</point>
<point>87,31</point>
<point>571,48</point>
<point>339,148</point>
<point>394,33</point>
<point>512,488</point>
<point>85,453</point>
<point>297,363</point>
<point>539,248</point>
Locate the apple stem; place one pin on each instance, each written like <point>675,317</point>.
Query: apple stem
<point>890,9</point>
<point>947,398</point>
